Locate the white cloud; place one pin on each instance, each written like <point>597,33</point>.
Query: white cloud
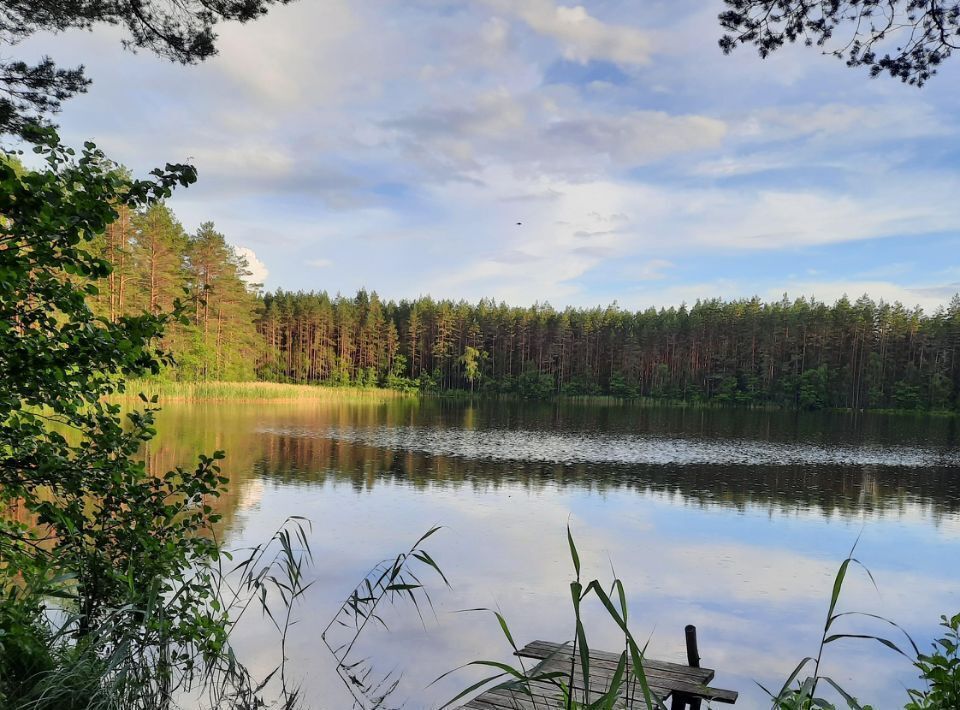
<point>495,34</point>
<point>433,127</point>
<point>648,232</point>
<point>581,36</point>
<point>258,270</point>
<point>640,136</point>
<point>559,239</point>
<point>546,132</point>
<point>286,58</point>
<point>652,270</point>
<point>255,159</point>
<point>774,219</point>
<point>872,122</point>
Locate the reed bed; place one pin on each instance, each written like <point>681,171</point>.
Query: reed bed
<point>257,392</point>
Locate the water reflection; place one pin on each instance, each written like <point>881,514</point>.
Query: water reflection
<point>600,448</point>
<point>731,520</point>
<point>391,584</point>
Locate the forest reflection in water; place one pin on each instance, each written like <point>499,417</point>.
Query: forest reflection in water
<point>731,519</point>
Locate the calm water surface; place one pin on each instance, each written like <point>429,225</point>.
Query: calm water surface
<point>734,521</point>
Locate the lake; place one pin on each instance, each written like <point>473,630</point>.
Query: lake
<point>732,520</point>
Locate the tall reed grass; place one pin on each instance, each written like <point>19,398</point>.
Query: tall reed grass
<point>121,665</point>
<point>391,581</point>
<point>258,392</point>
<point>628,688</point>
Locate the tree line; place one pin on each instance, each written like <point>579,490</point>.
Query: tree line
<point>801,353</point>
<point>156,264</point>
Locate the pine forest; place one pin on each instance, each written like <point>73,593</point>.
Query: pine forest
<point>793,353</point>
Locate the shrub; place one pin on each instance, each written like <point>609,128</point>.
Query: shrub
<point>941,671</point>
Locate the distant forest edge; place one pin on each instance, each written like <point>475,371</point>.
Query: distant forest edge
<point>800,353</point>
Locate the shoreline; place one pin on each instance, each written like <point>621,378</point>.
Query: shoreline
<point>255,391</point>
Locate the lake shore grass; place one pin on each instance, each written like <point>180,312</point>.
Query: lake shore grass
<point>257,392</point>
<point>253,391</point>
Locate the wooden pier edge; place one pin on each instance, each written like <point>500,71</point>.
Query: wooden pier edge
<point>684,685</point>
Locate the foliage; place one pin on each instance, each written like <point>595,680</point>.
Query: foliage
<point>801,694</point>
<point>619,387</point>
<point>181,32</point>
<point>396,380</point>
<point>813,390</point>
<point>534,384</point>
<point>798,354</point>
<point>24,644</point>
<point>154,263</point>
<point>389,582</point>
<point>126,549</point>
<point>941,671</point>
<point>907,396</point>
<point>907,39</point>
<point>472,361</point>
<point>119,665</point>
<point>801,354</point>
<point>582,386</point>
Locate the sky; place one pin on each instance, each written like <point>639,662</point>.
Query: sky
<point>396,146</point>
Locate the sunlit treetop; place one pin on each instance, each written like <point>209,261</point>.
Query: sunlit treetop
<point>907,39</point>
<point>178,30</point>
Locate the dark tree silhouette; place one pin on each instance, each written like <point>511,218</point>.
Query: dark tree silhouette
<point>907,39</point>
<point>181,31</point>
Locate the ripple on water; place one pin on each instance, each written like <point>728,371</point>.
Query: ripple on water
<point>580,447</point>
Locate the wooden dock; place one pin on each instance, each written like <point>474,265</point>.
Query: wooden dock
<point>681,685</point>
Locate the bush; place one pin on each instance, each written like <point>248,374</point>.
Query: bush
<point>24,645</point>
<point>941,671</point>
<point>533,384</point>
<point>620,388</point>
<point>128,551</point>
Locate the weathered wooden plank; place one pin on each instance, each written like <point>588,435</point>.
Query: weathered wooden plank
<point>600,681</point>
<point>489,702</point>
<point>539,649</point>
<point>547,695</point>
<point>481,704</point>
<point>605,671</point>
<point>547,689</point>
<point>718,694</point>
<point>542,649</point>
<point>663,678</point>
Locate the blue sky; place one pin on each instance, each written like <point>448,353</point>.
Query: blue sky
<point>394,146</point>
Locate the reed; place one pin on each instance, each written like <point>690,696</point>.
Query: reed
<point>800,691</point>
<point>257,392</point>
<point>119,665</point>
<point>627,688</point>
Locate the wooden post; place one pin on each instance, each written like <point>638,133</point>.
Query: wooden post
<point>693,655</point>
<point>681,700</point>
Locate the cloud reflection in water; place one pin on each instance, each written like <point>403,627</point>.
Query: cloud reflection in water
<point>736,526</point>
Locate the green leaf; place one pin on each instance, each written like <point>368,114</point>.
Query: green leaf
<point>573,552</point>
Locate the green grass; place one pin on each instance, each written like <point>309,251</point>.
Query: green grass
<point>258,391</point>
<point>280,392</point>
